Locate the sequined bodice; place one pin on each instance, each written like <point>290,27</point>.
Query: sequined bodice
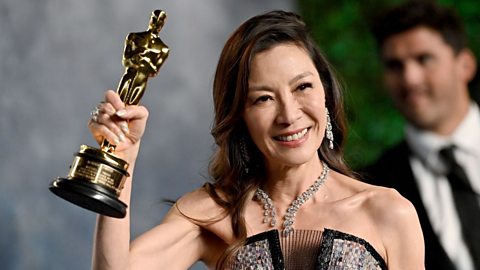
<point>307,249</point>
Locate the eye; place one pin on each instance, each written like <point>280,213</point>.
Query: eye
<point>304,86</point>
<point>262,99</point>
<point>393,65</point>
<point>424,58</point>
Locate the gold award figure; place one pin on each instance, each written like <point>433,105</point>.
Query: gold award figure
<point>97,176</point>
<point>144,54</point>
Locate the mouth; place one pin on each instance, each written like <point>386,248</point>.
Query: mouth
<point>413,96</point>
<point>292,137</point>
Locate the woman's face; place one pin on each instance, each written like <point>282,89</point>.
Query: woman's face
<point>285,108</point>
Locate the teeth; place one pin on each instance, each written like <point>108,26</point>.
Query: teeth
<point>293,137</point>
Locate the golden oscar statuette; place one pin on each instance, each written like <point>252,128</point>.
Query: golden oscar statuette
<point>97,176</point>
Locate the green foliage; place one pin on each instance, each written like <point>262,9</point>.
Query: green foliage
<point>341,30</point>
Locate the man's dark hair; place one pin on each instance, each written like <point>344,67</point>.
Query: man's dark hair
<point>417,13</point>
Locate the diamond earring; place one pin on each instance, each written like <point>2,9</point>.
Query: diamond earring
<point>328,130</point>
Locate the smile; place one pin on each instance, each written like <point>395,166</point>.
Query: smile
<point>292,137</point>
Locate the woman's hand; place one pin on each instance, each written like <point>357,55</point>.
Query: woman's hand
<point>123,126</point>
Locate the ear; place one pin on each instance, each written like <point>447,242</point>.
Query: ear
<point>467,64</point>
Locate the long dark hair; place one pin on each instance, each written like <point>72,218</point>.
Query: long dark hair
<point>231,185</point>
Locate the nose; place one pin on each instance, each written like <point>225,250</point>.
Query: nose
<point>412,74</point>
<point>289,110</point>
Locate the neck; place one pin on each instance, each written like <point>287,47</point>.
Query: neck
<point>271,209</point>
<point>285,183</point>
<point>451,123</point>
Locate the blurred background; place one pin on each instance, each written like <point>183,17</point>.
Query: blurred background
<point>58,57</point>
<point>341,29</point>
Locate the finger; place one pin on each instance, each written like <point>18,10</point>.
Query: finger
<point>132,112</point>
<point>108,121</point>
<point>114,104</point>
<point>101,132</point>
<point>104,114</point>
<point>113,98</point>
<point>137,118</point>
<point>106,107</point>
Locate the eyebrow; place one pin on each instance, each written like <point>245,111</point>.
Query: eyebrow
<point>292,81</point>
<point>300,76</point>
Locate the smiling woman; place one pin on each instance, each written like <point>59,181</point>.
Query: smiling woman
<point>284,112</point>
<point>281,196</point>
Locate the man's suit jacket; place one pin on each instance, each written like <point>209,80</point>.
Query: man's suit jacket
<point>393,169</point>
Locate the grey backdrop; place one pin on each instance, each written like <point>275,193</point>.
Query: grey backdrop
<point>57,59</point>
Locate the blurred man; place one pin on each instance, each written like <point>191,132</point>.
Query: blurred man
<point>427,68</point>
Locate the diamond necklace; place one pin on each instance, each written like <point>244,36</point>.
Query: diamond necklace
<point>269,213</point>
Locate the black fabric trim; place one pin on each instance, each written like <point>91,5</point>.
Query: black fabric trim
<point>274,243</point>
<point>323,260</point>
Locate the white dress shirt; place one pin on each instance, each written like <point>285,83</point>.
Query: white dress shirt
<point>435,191</point>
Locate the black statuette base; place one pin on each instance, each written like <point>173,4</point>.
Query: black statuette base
<point>89,196</point>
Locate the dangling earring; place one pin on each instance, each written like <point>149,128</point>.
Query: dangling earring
<point>245,157</point>
<point>328,130</point>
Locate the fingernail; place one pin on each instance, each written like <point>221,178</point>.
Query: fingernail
<point>122,137</point>
<point>121,112</point>
<point>116,141</point>
<point>124,127</point>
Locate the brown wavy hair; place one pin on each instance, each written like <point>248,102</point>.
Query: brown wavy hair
<point>231,184</point>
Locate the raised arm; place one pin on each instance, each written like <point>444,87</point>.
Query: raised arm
<point>177,242</point>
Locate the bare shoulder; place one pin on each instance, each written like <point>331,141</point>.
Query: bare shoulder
<point>389,206</point>
<point>399,228</point>
<point>198,206</point>
<point>183,233</point>
<point>392,219</point>
<point>384,204</point>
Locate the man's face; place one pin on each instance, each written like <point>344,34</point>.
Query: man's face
<point>425,78</point>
